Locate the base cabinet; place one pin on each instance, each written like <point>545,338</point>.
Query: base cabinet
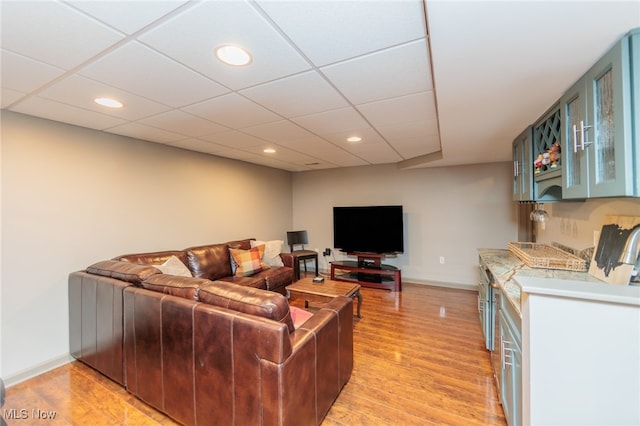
<point>509,343</point>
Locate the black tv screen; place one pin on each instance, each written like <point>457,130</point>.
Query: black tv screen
<point>370,229</point>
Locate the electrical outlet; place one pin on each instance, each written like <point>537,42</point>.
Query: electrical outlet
<point>326,252</point>
<point>442,260</point>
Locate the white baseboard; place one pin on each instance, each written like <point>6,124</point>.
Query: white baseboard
<point>37,370</point>
<point>459,286</point>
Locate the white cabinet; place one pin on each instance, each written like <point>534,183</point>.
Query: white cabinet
<point>581,352</point>
<point>598,133</point>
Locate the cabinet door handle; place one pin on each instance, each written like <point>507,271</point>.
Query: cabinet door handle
<point>583,130</point>
<point>507,354</point>
<point>575,138</point>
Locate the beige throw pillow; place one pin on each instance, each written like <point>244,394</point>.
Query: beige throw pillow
<point>272,250</point>
<point>174,266</point>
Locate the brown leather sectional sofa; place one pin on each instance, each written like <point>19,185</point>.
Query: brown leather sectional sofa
<point>212,348</point>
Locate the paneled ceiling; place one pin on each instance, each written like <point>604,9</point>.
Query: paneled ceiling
<point>441,83</point>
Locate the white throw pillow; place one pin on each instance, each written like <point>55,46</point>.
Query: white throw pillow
<point>272,250</point>
<point>174,266</point>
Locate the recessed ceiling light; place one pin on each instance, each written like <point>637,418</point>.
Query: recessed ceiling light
<point>269,151</point>
<point>354,139</point>
<point>233,55</point>
<point>108,102</point>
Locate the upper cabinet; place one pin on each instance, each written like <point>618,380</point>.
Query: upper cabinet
<point>547,156</point>
<point>522,172</point>
<point>599,141</point>
<point>537,172</point>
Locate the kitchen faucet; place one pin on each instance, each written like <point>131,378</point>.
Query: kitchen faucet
<point>632,247</point>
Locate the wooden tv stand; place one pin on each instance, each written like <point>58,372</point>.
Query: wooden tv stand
<point>368,271</point>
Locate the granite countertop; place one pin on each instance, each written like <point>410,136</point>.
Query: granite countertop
<point>511,274</point>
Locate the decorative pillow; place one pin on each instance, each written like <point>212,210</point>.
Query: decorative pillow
<point>174,266</point>
<point>299,316</point>
<point>271,252</point>
<point>248,262</point>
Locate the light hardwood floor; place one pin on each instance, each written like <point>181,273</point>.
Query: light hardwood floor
<point>419,360</point>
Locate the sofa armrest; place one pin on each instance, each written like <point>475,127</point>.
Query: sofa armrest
<point>320,364</point>
<point>340,308</point>
<point>287,259</point>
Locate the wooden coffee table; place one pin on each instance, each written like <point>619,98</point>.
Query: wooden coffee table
<point>322,293</point>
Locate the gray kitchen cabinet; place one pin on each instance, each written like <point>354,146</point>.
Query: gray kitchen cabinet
<point>598,113</point>
<point>547,156</point>
<point>510,346</point>
<point>522,167</point>
<point>532,183</point>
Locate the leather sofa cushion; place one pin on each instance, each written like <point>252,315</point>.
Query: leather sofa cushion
<point>276,278</point>
<point>124,271</point>
<point>254,281</point>
<point>213,261</point>
<point>253,301</point>
<point>184,287</point>
<point>154,258</point>
<point>210,261</point>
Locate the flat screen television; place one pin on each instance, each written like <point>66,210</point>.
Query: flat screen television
<point>368,229</point>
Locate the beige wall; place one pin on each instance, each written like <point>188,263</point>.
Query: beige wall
<point>448,212</point>
<point>72,196</point>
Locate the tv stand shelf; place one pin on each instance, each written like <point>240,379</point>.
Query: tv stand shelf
<point>368,271</point>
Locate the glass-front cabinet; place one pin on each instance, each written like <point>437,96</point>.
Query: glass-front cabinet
<point>597,123</point>
<point>522,167</point>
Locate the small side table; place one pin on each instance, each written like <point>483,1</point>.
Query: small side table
<point>303,256</point>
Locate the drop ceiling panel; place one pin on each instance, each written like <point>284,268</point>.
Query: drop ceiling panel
<point>81,92</point>
<point>369,137</point>
<point>415,107</point>
<point>339,120</point>
<point>414,146</point>
<point>127,16</point>
<point>57,111</point>
<point>301,94</point>
<point>149,74</point>
<point>24,74</point>
<point>393,72</point>
<point>420,129</point>
<point>192,36</point>
<point>199,145</point>
<point>38,30</point>
<point>232,110</point>
<point>282,154</point>
<point>321,29</point>
<point>141,131</point>
<point>279,132</point>
<point>10,96</point>
<point>183,123</point>
<point>234,139</point>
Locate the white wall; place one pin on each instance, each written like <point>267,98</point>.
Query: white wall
<point>573,223</point>
<point>448,212</point>
<point>73,196</point>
